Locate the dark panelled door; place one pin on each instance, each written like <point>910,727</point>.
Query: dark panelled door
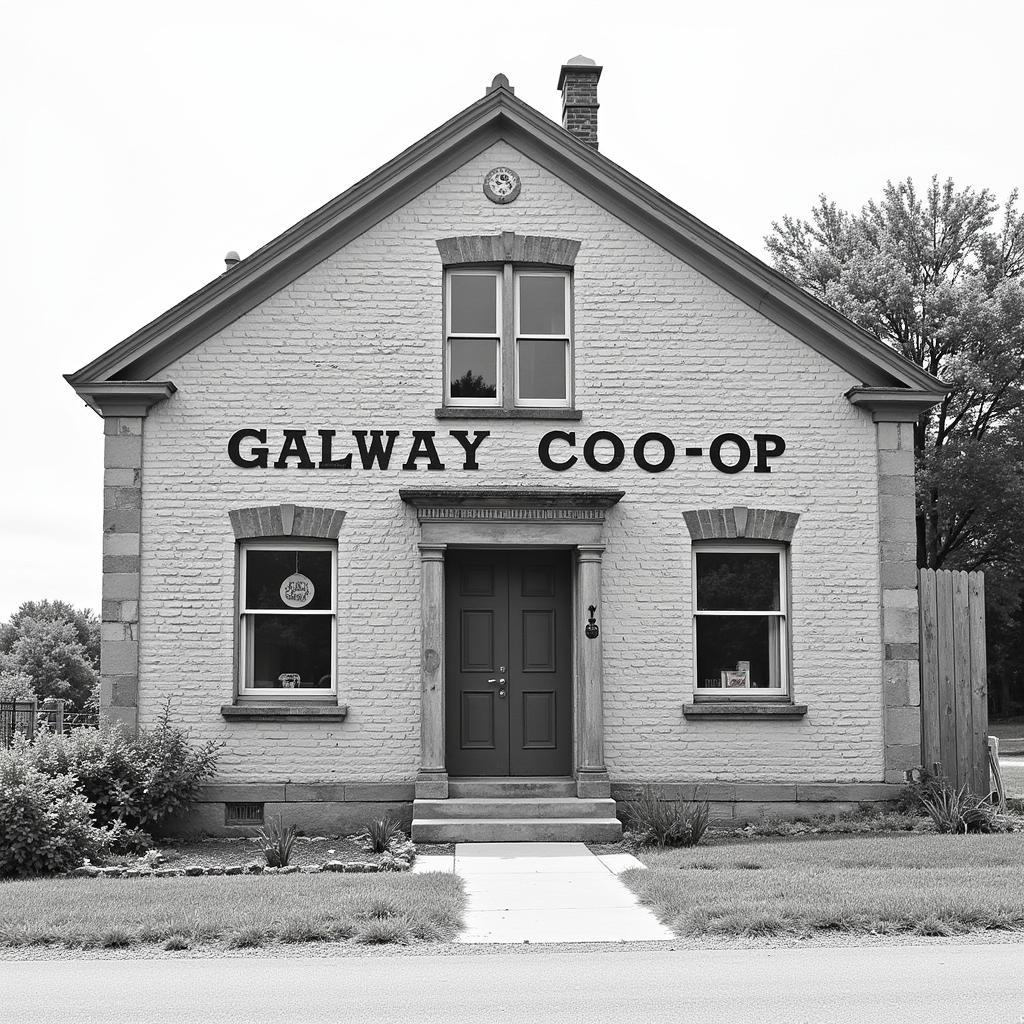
<point>508,672</point>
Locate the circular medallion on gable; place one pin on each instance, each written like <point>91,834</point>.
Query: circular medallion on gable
<point>502,185</point>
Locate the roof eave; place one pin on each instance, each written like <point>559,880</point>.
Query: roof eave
<point>123,397</point>
<point>896,405</point>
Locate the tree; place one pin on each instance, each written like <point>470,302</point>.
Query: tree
<point>85,621</point>
<point>941,280</point>
<point>43,641</point>
<point>16,687</point>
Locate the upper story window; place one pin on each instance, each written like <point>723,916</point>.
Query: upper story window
<point>739,620</point>
<point>508,340</point>
<point>474,337</point>
<point>542,338</point>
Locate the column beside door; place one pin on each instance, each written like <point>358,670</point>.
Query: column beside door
<point>591,773</point>
<point>432,778</point>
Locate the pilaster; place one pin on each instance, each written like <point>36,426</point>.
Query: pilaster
<point>122,558</point>
<point>901,684</point>
<point>432,777</point>
<point>124,406</point>
<point>591,773</point>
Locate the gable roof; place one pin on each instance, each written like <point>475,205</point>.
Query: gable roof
<point>499,115</point>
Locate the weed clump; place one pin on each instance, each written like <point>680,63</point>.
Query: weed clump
<point>651,821</point>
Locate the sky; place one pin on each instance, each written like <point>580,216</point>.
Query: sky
<point>142,141</point>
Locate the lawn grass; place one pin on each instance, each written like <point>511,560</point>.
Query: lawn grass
<point>1012,771</point>
<point>236,911</point>
<point>889,884</point>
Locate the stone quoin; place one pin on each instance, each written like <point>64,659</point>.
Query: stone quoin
<point>500,486</point>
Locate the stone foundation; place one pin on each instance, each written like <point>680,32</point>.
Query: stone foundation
<point>340,808</point>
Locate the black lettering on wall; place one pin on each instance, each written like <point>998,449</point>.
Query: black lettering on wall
<point>715,453</point>
<point>618,451</point>
<point>640,452</point>
<point>259,455</point>
<point>327,461</point>
<point>764,452</point>
<point>462,436</point>
<point>544,449</point>
<point>294,445</point>
<point>376,451</point>
<point>423,448</point>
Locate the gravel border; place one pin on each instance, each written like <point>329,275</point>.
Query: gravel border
<point>308,950</point>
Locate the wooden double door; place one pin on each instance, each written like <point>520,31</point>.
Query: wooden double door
<point>508,662</point>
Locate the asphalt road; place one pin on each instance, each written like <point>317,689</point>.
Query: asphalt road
<point>904,984</point>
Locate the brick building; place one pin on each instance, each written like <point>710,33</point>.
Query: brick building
<point>501,476</point>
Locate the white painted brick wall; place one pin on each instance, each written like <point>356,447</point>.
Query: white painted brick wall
<point>355,344</point>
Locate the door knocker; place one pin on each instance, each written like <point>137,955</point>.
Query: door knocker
<point>592,630</point>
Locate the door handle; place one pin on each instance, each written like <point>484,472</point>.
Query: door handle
<point>500,682</point>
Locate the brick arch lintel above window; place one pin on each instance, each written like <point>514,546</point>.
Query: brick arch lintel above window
<point>508,247</point>
<point>286,520</point>
<point>740,521</point>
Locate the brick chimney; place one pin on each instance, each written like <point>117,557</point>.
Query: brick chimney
<point>578,83</point>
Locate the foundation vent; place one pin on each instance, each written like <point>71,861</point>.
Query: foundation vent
<point>243,814</point>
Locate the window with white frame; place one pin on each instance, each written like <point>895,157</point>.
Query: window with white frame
<point>474,337</point>
<point>287,618</point>
<point>739,619</point>
<point>519,360</point>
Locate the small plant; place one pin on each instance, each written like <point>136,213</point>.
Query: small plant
<point>654,822</point>
<point>247,937</point>
<point>957,810</point>
<point>277,841</point>
<point>128,841</point>
<point>381,930</point>
<point>379,836</point>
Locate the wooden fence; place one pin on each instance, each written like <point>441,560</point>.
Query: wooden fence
<point>954,677</point>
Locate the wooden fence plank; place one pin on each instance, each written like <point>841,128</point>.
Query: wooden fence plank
<point>930,750</point>
<point>965,762</point>
<point>947,680</point>
<point>979,682</point>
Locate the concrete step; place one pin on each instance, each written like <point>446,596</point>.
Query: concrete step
<point>516,830</point>
<point>509,788</point>
<point>518,807</point>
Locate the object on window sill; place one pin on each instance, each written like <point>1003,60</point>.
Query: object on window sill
<point>292,712</point>
<point>743,709</point>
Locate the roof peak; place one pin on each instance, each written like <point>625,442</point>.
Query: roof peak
<point>499,82</point>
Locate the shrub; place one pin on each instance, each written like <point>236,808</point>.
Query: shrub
<point>136,780</point>
<point>654,822</point>
<point>277,842</point>
<point>378,836</point>
<point>45,822</point>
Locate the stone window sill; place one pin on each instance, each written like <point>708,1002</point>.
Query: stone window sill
<point>489,412</point>
<point>285,712</point>
<point>742,709</point>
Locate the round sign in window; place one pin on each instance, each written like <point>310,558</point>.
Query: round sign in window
<point>297,590</point>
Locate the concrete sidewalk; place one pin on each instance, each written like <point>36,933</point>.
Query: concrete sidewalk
<point>546,892</point>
